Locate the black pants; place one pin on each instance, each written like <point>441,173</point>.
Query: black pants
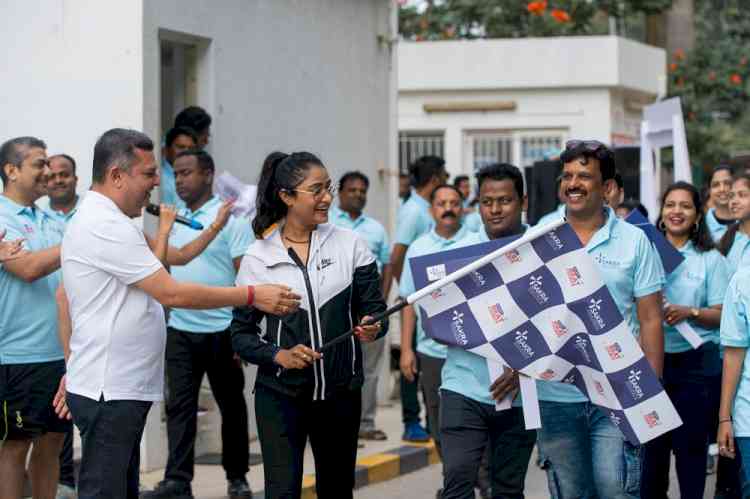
<point>67,469</point>
<point>432,368</point>
<point>284,425</point>
<point>465,425</point>
<point>189,357</point>
<point>687,377</point>
<point>409,393</point>
<point>111,435</point>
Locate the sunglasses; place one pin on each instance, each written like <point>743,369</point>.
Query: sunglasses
<point>589,145</point>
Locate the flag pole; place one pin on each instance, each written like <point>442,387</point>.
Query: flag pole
<point>530,235</point>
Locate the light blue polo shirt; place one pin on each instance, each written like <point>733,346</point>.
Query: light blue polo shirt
<point>213,267</point>
<point>368,229</point>
<point>699,281</point>
<point>28,315</point>
<point>424,245</point>
<point>167,188</point>
<point>739,254</point>
<point>735,332</point>
<point>552,215</point>
<point>60,216</point>
<point>631,269</point>
<point>714,227</point>
<point>414,219</point>
<point>465,372</point>
<point>473,221</point>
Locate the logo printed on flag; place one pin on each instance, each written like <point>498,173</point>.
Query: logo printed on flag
<point>559,328</point>
<point>614,351</point>
<point>435,272</point>
<point>570,379</point>
<point>554,241</point>
<point>594,308</point>
<point>437,294</point>
<point>496,312</point>
<point>614,418</point>
<point>478,279</point>
<point>522,345</point>
<point>548,374</point>
<point>513,256</point>
<point>633,386</point>
<point>457,325</point>
<point>536,291</point>
<point>574,276</point>
<point>652,419</point>
<point>599,388</point>
<point>581,344</point>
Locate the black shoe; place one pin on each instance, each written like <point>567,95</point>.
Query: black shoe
<point>439,494</point>
<point>239,489</point>
<point>169,489</point>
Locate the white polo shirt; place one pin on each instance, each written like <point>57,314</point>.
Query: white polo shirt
<point>119,333</point>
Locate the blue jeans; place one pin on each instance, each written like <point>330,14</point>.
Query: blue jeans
<point>743,446</point>
<point>585,455</point>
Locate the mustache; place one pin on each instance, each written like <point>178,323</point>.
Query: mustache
<point>449,214</point>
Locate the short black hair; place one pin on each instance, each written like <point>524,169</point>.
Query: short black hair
<point>67,158</point>
<point>205,161</point>
<point>717,169</point>
<point>445,186</point>
<point>501,171</point>
<point>460,178</point>
<point>631,204</point>
<point>175,132</point>
<point>193,117</point>
<point>12,152</point>
<point>354,175</point>
<point>618,180</point>
<point>424,169</point>
<point>117,147</point>
<point>604,154</point>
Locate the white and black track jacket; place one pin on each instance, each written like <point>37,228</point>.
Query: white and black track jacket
<point>339,285</point>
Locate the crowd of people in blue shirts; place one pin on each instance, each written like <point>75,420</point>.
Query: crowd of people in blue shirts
<point>582,452</point>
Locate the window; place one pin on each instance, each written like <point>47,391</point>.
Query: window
<point>412,145</point>
<point>519,148</point>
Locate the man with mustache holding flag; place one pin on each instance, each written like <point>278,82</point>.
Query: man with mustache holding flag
<point>446,208</point>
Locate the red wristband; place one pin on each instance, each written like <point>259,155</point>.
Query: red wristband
<point>250,295</point>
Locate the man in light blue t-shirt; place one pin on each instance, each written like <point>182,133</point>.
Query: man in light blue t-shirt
<point>31,358</point>
<point>198,341</point>
<point>62,201</point>
<point>470,425</point>
<point>414,219</point>
<point>353,188</point>
<point>177,140</point>
<point>446,208</point>
<point>583,452</point>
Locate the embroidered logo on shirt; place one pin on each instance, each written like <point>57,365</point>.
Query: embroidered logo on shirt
<point>325,263</point>
<point>28,229</point>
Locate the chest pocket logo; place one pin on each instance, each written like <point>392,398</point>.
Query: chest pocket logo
<point>325,263</point>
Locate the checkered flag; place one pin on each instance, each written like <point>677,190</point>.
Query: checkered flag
<point>540,306</point>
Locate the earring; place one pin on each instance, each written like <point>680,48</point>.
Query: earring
<point>662,227</point>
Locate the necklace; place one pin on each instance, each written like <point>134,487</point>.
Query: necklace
<point>297,242</point>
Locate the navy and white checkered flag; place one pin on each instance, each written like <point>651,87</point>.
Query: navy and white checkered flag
<point>540,306</point>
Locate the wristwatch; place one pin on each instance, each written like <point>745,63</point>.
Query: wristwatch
<point>695,313</point>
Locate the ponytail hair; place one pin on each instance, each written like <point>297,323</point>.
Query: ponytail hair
<point>280,172</point>
<point>727,240</point>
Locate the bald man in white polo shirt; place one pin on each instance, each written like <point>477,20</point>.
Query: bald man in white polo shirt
<point>115,289</point>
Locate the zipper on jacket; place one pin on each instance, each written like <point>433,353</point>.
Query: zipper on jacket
<point>278,344</point>
<point>312,315</point>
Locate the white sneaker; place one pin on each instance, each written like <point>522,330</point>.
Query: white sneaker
<point>65,492</point>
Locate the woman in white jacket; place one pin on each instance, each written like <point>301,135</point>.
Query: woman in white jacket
<point>300,393</point>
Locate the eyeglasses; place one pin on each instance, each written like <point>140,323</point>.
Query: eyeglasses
<point>588,145</point>
<point>320,191</point>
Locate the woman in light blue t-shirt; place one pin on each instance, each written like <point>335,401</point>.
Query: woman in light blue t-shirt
<point>693,296</point>
<point>735,243</point>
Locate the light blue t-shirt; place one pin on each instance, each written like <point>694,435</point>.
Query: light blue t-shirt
<point>738,256</point>
<point>552,215</point>
<point>167,187</point>
<point>735,332</point>
<point>213,267</point>
<point>368,229</point>
<point>414,219</point>
<point>28,315</point>
<point>473,221</point>
<point>631,269</point>
<point>715,228</point>
<point>699,281</point>
<point>60,216</point>
<point>424,245</point>
<point>465,372</point>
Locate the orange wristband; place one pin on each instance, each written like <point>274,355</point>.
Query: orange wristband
<point>250,295</point>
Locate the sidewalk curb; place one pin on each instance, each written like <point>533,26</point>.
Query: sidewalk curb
<point>381,466</point>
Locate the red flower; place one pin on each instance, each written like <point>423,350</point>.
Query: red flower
<point>537,8</point>
<point>680,81</point>
<point>743,61</point>
<point>679,54</point>
<point>735,79</point>
<point>672,67</point>
<point>560,16</point>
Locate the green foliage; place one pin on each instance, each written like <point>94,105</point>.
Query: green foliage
<point>448,19</point>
